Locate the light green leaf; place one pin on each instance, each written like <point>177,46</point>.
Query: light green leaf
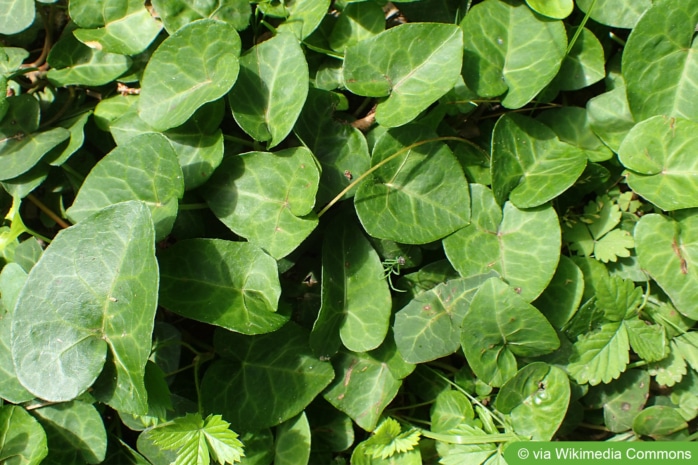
<point>356,300</point>
<point>21,145</point>
<point>270,91</point>
<point>358,21</point>
<point>388,440</point>
<point>263,380</point>
<point>75,433</point>
<point>16,15</point>
<point>429,327</point>
<point>302,16</point>
<point>536,399</point>
<point>661,164</point>
<point>657,421</point>
<point>557,9</point>
<point>413,65</point>
<point>601,355</point>
<point>93,292</point>
<point>561,298</point>
<point>648,341</point>
<point>267,198</point>
<point>572,125</point>
<point>241,293</point>
<point>510,50</point>
<point>687,346</point>
<point>176,14</point>
<point>292,446</point>
<point>500,325</point>
<point>450,409</point>
<point>670,370</point>
<point>196,65</point>
<point>22,439</point>
<point>198,441</point>
<point>660,61</point>
<point>145,169</point>
<point>76,126</point>
<point>617,297</point>
<point>584,65</point>
<point>530,165</point>
<point>417,197</point>
<point>112,108</point>
<point>613,245</point>
<point>610,117</point>
<point>621,399</point>
<point>668,250</point>
<point>121,26</point>
<point>615,13</point>
<point>508,242</point>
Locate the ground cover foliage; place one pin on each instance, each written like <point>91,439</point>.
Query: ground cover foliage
<point>345,232</point>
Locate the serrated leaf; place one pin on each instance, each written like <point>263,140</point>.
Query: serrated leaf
<point>647,340</point>
<point>176,14</point>
<point>413,65</point>
<point>601,355</point>
<point>510,50</point>
<point>271,89</point>
<point>687,345</point>
<point>240,294</point>
<point>22,439</point>
<point>617,297</point>
<point>671,369</point>
<point>195,65</point>
<point>92,293</point>
<point>388,439</point>
<point>267,198</point>
<point>613,245</point>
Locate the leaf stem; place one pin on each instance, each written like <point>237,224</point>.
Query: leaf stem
<point>199,360</point>
<point>192,206</point>
<point>578,32</point>
<point>371,170</point>
<point>59,221</point>
<point>241,141</point>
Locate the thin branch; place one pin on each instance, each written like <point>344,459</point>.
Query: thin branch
<point>59,221</point>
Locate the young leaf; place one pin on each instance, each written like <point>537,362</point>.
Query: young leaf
<point>558,9</point>
<point>617,297</point>
<point>601,355</point>
<point>197,441</point>
<point>450,409</point>
<point>388,439</point>
<point>22,439</point>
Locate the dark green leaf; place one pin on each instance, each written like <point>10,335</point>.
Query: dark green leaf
<point>292,445</point>
<point>657,421</point>
<point>621,399</point>
<point>22,439</point>
<point>176,14</point>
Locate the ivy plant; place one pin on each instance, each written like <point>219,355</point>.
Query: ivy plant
<point>350,231</point>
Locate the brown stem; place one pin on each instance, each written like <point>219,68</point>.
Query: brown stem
<point>59,221</point>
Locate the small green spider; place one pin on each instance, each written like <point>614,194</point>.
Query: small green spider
<point>391,266</point>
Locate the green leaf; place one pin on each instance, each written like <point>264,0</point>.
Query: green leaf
<point>500,325</point>
<point>75,433</point>
<point>668,250</point>
<point>450,409</point>
<point>617,297</point>
<point>661,166</point>
<point>263,380</point>
<point>670,370</point>
<point>240,294</point>
<point>687,346</point>
<point>196,65</point>
<point>610,117</point>
<point>302,16</point>
<point>613,245</point>
<point>561,298</point>
<point>429,327</point>
<point>198,441</point>
<point>413,65</point>
<point>536,399</point>
<point>557,9</point>
<point>93,291</point>
<point>530,165</point>
<point>508,242</point>
<point>76,126</point>
<point>293,438</point>
<point>615,13</point>
<point>584,65</point>
<point>124,27</point>
<point>510,50</point>
<point>176,14</point>
<point>267,198</point>
<point>270,91</point>
<point>648,341</point>
<point>601,355</point>
<point>22,439</point>
<point>16,16</point>
<point>572,125</point>
<point>145,169</point>
<point>416,197</point>
<point>356,300</point>
<point>388,439</point>
<point>660,61</point>
<point>358,21</point>
<point>621,399</point>
<point>22,146</point>
<point>657,421</point>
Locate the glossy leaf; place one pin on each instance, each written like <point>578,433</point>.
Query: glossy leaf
<point>196,65</point>
<point>411,76</point>
<point>558,9</point>
<point>16,16</point>
<point>358,21</point>
<point>429,327</point>
<point>560,300</point>
<point>355,297</point>
<point>267,198</point>
<point>572,125</point>
<point>601,355</point>
<point>510,51</point>
<point>422,187</point>
<point>301,16</point>
<point>12,279</point>
<point>615,13</point>
<point>621,399</point>
<point>657,421</point>
<point>451,408</point>
<point>145,169</point>
<point>293,438</point>
<point>176,14</point>
<point>661,79</point>
<point>536,399</point>
<point>668,250</point>
<point>75,126</point>
<point>263,380</point>
<point>123,26</point>
<point>241,293</point>
<point>22,439</point>
<point>498,326</point>
<point>508,241</point>
<point>530,165</point>
<point>92,292</point>
<point>270,91</point>
<point>610,117</point>
<point>75,433</point>
<point>661,165</point>
<point>584,65</point>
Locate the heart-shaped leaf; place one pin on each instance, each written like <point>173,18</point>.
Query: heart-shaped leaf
<point>195,65</point>
<point>241,294</point>
<point>413,65</point>
<point>530,165</point>
<point>267,198</point>
<point>93,291</point>
<point>419,183</point>
<point>661,162</point>
<point>508,242</point>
